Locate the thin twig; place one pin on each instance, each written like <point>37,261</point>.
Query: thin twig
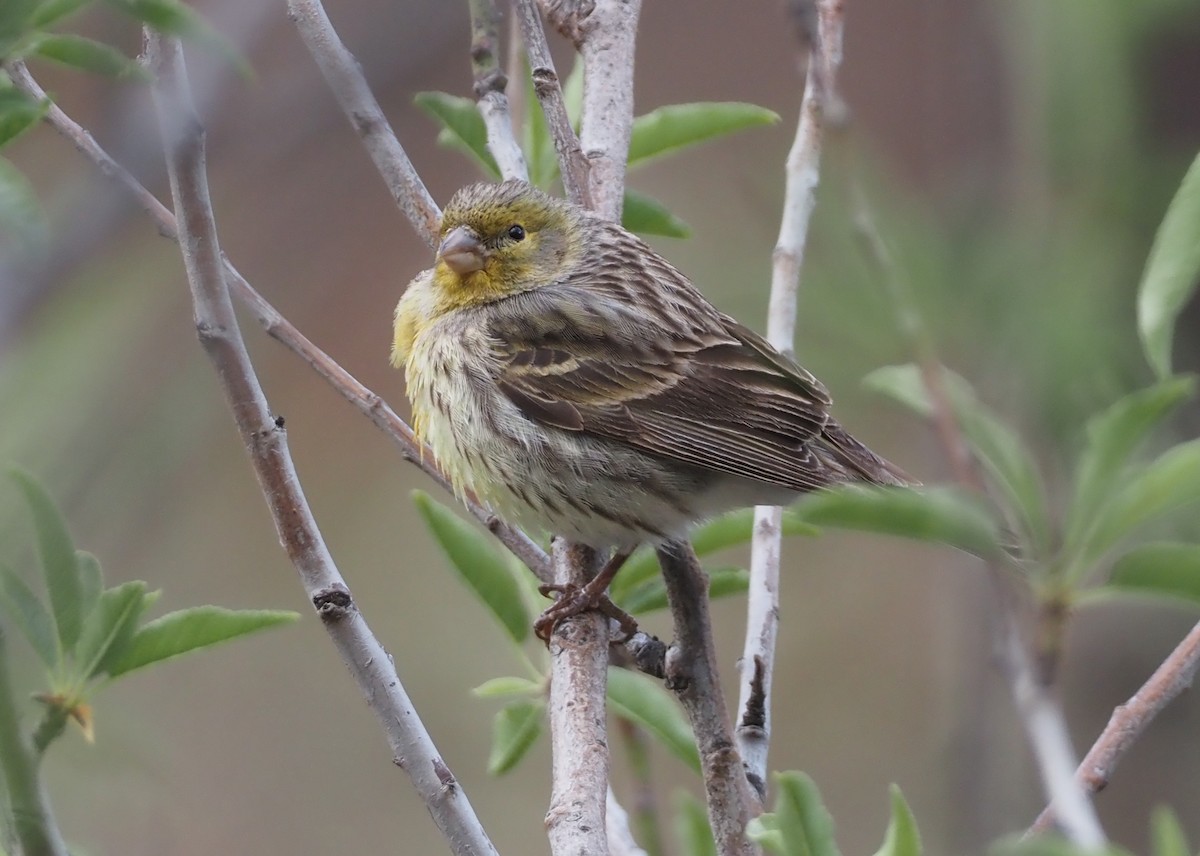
<point>266,440</point>
<point>575,821</point>
<point>345,78</point>
<point>1039,710</point>
<point>573,165</point>
<point>1130,719</point>
<point>616,822</point>
<point>822,37</point>
<point>692,674</point>
<point>490,86</point>
<point>34,829</point>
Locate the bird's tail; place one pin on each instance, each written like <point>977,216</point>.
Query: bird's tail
<point>857,461</point>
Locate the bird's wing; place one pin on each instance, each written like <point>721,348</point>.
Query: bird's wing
<point>681,382</point>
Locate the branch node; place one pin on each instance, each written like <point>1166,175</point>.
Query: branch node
<point>333,603</point>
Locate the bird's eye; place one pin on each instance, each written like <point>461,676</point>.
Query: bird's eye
<point>516,232</point>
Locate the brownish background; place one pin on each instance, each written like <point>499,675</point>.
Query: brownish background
<point>1020,153</point>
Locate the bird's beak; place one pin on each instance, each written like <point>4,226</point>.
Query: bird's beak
<point>462,251</point>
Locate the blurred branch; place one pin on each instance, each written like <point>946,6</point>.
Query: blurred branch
<point>1039,710</point>
<point>266,440</point>
<point>645,803</point>
<point>822,39</point>
<point>692,674</point>
<point>573,165</point>
<point>34,829</point>
<point>490,85</point>
<point>616,822</point>
<point>345,78</point>
<point>1129,720</point>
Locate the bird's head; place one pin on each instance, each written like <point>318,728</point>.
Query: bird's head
<point>501,239</point>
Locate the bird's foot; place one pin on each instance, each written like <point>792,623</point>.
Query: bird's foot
<point>574,600</point>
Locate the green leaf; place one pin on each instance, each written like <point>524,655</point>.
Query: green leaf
<point>1172,271</point>
<point>463,129</point>
<point>110,626</point>
<point>902,838</point>
<point>178,19</point>
<point>643,700</point>
<point>647,216</point>
<point>514,730</point>
<point>669,129</point>
<point>1112,436</point>
<point>91,580</point>
<point>58,560</point>
<point>482,567</point>
<point>30,615</point>
<point>540,156</point>
<point>728,530</point>
<point>800,826</point>
<point>21,214</point>
<point>190,629</point>
<point>1161,568</point>
<point>52,11</point>
<point>651,595</point>
<point>15,16</point>
<point>1010,465</point>
<point>507,686</point>
<point>18,113</point>
<point>691,827</point>
<point>572,89</point>
<point>1167,835</point>
<point>944,515</point>
<point>1166,484</point>
<point>89,55</point>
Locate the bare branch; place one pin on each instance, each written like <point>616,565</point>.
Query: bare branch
<point>821,33</point>
<point>490,85</point>
<point>616,823</point>
<point>1129,720</point>
<point>572,163</point>
<point>266,440</point>
<point>344,76</point>
<point>692,674</point>
<point>575,821</point>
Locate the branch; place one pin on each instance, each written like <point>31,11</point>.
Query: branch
<point>490,85</point>
<point>1129,720</point>
<point>823,42</point>
<point>33,826</point>
<point>575,821</point>
<point>616,823</point>
<point>572,164</point>
<point>266,440</point>
<point>344,76</point>
<point>692,674</point>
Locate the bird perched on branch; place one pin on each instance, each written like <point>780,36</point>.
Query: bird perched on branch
<point>575,381</point>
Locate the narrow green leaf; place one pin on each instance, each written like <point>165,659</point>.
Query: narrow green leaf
<point>52,11</point>
<point>15,16</point>
<point>507,686</point>
<point>944,515</point>
<point>1172,271</point>
<point>651,595</point>
<point>728,530</point>
<point>644,700</point>
<point>669,129</point>
<point>58,560</point>
<point>573,93</point>
<point>463,128</point>
<point>30,615</point>
<point>1010,465</point>
<point>691,826</point>
<point>18,113</point>
<point>482,567</point>
<point>190,629</point>
<point>1167,834</point>
<point>1161,568</point>
<point>89,55</point>
<point>1112,436</point>
<point>902,838</point>
<point>21,215</point>
<point>647,216</point>
<point>540,156</point>
<point>802,819</point>
<point>514,730</point>
<point>1166,484</point>
<point>91,580</point>
<point>107,632</point>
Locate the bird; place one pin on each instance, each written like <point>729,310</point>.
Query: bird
<point>579,384</point>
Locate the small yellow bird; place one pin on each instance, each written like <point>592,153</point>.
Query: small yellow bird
<point>571,378</point>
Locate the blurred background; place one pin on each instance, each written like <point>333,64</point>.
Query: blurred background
<point>1019,154</point>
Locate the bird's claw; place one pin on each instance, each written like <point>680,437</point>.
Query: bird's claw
<point>575,600</point>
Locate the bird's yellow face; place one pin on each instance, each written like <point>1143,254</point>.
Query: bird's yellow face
<point>501,239</point>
